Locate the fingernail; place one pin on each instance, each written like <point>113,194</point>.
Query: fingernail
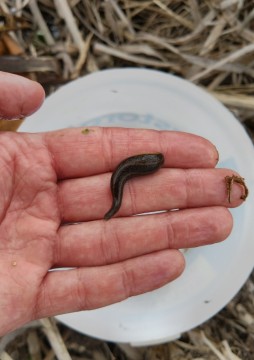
<point>12,118</point>
<point>218,155</point>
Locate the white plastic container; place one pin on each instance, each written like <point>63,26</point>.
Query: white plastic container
<point>213,274</point>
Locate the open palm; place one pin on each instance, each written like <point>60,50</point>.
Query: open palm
<point>54,191</point>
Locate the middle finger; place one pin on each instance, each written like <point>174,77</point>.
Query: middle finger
<point>87,199</point>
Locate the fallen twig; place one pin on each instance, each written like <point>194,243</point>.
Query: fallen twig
<point>41,22</point>
<point>50,329</point>
<point>64,11</point>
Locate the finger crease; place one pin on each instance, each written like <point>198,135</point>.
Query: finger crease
<point>81,294</point>
<point>116,245</point>
<point>170,233</point>
<point>127,281</point>
<point>133,205</point>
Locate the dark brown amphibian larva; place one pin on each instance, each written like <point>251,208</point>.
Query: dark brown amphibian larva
<point>133,166</point>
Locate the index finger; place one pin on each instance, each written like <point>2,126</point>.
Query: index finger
<point>95,150</point>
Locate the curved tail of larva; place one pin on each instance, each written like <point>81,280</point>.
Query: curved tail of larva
<point>113,210</point>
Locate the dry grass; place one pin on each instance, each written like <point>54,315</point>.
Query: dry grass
<point>210,43</point>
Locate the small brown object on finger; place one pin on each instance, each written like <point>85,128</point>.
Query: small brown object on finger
<point>230,180</point>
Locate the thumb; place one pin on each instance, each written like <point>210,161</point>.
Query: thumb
<point>19,97</point>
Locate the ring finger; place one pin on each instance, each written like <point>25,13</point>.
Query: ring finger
<point>99,242</point>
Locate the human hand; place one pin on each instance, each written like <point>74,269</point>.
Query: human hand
<point>49,181</point>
